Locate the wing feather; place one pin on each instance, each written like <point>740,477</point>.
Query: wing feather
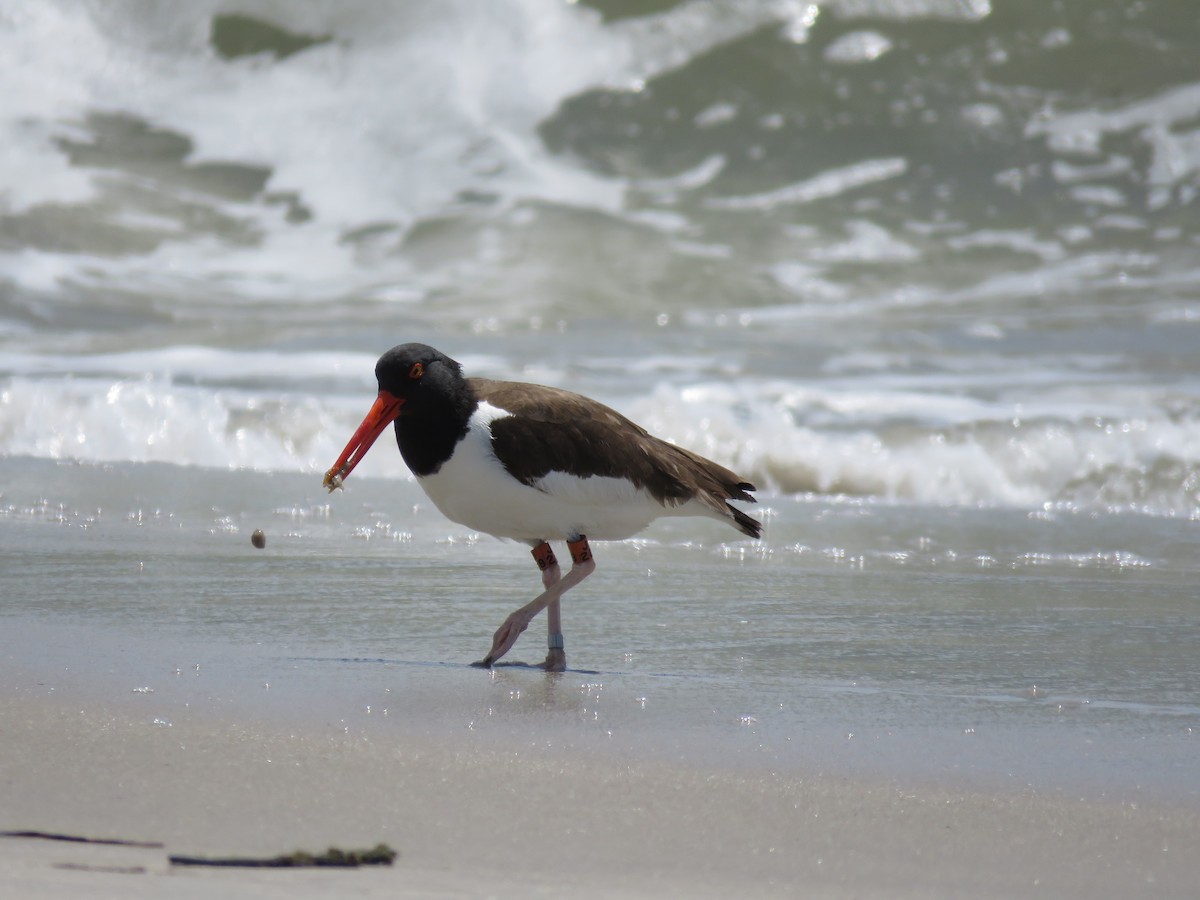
<point>550,429</point>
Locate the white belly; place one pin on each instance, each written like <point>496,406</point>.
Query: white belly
<point>474,489</point>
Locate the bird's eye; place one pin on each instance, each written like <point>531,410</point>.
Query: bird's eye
<point>417,370</point>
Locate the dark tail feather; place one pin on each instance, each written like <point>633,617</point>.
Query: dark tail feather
<point>745,523</point>
<point>718,486</point>
<point>742,492</point>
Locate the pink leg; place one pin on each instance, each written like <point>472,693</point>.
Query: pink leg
<point>556,655</point>
<point>506,635</point>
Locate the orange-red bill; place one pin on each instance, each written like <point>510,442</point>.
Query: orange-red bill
<point>384,411</point>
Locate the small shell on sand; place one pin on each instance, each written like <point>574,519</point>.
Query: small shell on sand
<point>258,539</point>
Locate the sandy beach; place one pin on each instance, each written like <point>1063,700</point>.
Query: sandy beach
<point>523,822</point>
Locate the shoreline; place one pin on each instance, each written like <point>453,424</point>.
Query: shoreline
<point>476,821</point>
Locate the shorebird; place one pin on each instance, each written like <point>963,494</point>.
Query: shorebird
<point>535,464</point>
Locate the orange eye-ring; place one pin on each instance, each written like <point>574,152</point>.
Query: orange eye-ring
<point>417,370</point>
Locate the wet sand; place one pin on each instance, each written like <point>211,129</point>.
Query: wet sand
<point>503,821</point>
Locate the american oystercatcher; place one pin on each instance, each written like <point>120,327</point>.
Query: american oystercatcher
<point>535,464</point>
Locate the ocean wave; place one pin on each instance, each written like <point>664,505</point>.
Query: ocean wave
<point>894,446</point>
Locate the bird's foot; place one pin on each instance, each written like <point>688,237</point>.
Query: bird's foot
<point>504,638</point>
<point>556,661</point>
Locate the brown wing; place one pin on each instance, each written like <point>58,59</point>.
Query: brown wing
<point>556,430</point>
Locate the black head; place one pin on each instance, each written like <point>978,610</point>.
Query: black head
<point>417,373</point>
<point>424,393</point>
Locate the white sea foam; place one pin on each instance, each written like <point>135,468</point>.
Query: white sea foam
<point>457,96</point>
<point>857,47</point>
<point>151,420</point>
<point>1092,445</point>
<point>1073,449</point>
<point>198,364</point>
<point>829,183</point>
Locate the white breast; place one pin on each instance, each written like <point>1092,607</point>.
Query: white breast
<point>474,489</point>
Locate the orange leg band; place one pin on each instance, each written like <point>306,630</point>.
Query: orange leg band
<point>543,555</point>
<point>580,551</point>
